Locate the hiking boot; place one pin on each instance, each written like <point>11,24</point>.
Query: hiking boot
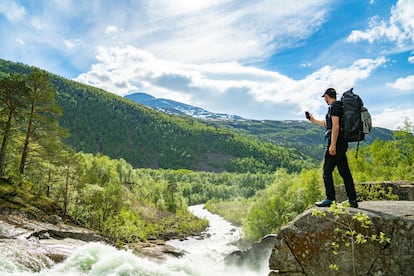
<point>352,203</point>
<point>324,203</point>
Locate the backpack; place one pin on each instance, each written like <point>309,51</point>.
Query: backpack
<point>356,121</point>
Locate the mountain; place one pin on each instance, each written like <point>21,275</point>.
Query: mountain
<point>101,122</point>
<point>177,108</point>
<point>301,135</point>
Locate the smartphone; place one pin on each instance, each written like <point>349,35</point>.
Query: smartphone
<point>307,115</point>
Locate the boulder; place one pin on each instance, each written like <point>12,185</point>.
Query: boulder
<point>254,256</point>
<point>318,245</point>
<point>155,250</point>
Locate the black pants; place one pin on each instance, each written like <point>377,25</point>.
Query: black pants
<point>341,162</point>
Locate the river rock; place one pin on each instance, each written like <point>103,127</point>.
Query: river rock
<point>253,256</point>
<point>53,219</point>
<point>155,250</point>
<point>35,245</point>
<point>305,245</point>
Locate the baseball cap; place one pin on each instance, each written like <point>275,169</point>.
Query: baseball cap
<point>331,92</point>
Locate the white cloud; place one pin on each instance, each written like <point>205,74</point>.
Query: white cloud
<point>411,59</point>
<point>404,84</point>
<point>111,29</point>
<point>392,118</point>
<point>219,31</point>
<point>194,32</point>
<point>399,28</point>
<point>221,87</point>
<point>12,11</point>
<point>71,43</point>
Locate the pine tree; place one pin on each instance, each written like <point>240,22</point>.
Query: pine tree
<point>13,92</point>
<point>41,118</point>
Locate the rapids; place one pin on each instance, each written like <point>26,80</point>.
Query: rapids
<point>203,256</point>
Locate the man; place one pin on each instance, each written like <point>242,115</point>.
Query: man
<point>335,154</point>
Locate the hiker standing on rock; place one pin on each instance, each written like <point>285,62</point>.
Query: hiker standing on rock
<point>335,153</point>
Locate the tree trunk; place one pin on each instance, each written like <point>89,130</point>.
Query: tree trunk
<point>49,180</point>
<point>66,192</point>
<point>26,142</point>
<point>4,144</point>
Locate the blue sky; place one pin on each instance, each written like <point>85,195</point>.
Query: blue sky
<point>265,59</point>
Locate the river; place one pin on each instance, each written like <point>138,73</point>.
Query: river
<point>204,257</point>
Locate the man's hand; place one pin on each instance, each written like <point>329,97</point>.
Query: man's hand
<point>332,150</point>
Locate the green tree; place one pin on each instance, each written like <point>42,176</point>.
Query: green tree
<point>42,111</point>
<point>12,99</point>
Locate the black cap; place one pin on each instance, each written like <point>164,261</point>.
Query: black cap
<point>331,92</point>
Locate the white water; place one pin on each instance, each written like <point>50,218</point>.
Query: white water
<point>203,257</point>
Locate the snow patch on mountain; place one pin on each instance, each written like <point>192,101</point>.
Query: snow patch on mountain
<point>177,108</point>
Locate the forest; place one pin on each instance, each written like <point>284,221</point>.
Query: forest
<point>261,189</point>
<point>101,122</point>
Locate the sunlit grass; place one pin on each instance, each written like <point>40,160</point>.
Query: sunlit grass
<point>234,211</point>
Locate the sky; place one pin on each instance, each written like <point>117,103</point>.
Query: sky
<point>264,59</point>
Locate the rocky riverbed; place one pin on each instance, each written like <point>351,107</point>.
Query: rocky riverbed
<point>35,244</point>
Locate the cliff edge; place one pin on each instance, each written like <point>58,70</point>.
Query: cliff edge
<point>375,239</point>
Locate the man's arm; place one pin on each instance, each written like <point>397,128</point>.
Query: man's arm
<point>334,135</point>
<point>318,122</point>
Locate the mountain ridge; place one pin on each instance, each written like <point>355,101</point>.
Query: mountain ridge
<point>301,135</point>
<point>177,108</point>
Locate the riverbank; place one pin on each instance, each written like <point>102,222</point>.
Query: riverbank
<point>35,234</point>
<point>35,245</point>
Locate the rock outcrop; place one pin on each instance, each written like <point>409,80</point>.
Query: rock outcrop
<point>317,245</point>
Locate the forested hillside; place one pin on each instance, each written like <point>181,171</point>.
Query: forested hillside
<point>101,122</point>
<point>307,138</point>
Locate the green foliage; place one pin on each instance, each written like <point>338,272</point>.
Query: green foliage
<point>42,112</point>
<point>375,191</point>
<point>13,90</point>
<point>351,231</point>
<point>386,160</point>
<point>109,195</point>
<point>128,226</point>
<point>280,202</point>
<point>28,114</point>
<point>234,211</point>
